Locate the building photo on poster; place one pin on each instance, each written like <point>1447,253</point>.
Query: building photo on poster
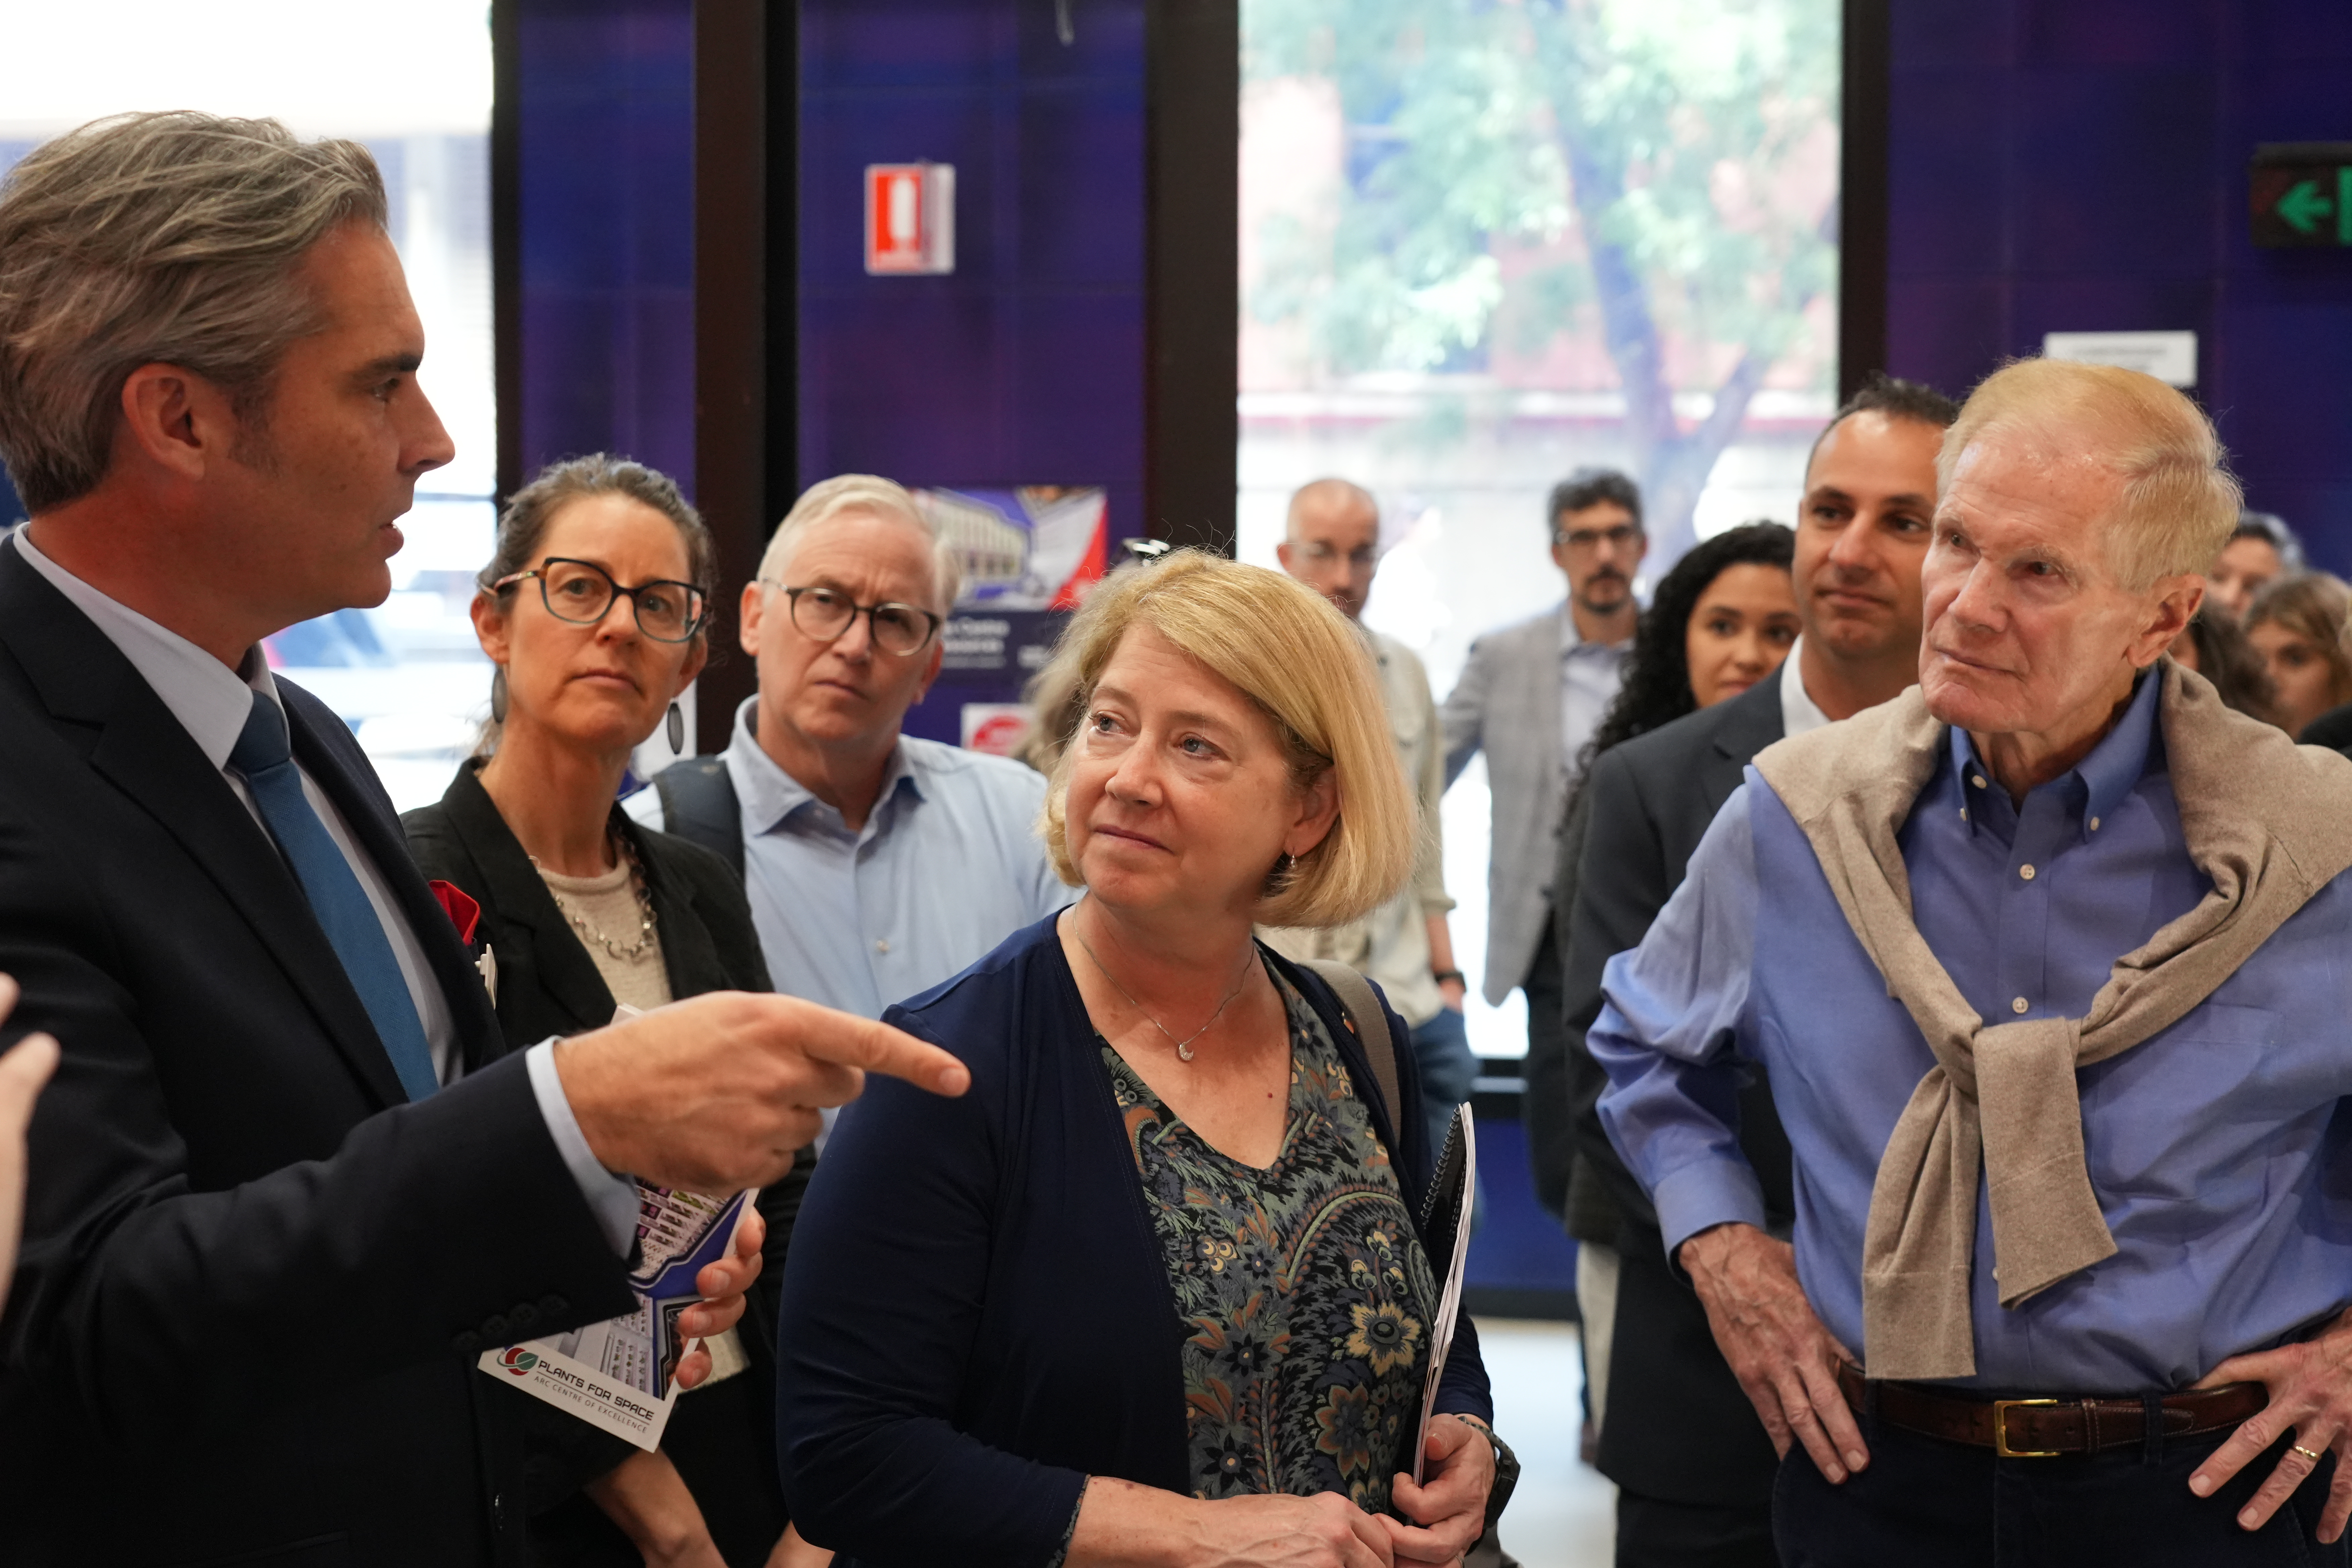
<point>1028,556</point>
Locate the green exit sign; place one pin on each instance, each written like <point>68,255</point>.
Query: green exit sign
<point>2302,194</point>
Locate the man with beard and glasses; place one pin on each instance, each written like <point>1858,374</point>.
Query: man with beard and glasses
<point>1529,697</point>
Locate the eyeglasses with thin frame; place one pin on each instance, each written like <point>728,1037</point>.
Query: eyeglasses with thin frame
<point>1585,540</point>
<point>826,614</point>
<point>581,592</point>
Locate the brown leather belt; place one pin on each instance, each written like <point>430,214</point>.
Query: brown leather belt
<point>2044,1429</point>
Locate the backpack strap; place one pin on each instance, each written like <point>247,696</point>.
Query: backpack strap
<point>1362,1007</point>
<point>699,804</point>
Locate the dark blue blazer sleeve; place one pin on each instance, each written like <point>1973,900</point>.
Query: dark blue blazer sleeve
<point>883,1302</point>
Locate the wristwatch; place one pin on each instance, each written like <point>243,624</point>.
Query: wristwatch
<point>1442,975</point>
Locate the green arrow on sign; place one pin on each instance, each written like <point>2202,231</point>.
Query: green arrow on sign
<point>2304,207</point>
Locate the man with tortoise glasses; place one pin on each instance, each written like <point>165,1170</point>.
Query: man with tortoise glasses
<point>878,863</point>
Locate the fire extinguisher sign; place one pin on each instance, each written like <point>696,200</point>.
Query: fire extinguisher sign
<point>909,218</point>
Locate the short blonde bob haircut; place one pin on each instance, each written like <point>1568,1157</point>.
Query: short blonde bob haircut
<point>876,496</point>
<point>2180,502</point>
<point>1308,671</point>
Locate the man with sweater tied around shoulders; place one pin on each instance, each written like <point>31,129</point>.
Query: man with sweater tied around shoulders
<point>287,1185</point>
<point>2044,960</point>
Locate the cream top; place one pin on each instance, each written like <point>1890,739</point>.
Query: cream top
<point>607,904</point>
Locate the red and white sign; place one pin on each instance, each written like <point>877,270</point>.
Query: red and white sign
<point>909,218</point>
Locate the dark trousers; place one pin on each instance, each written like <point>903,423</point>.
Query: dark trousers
<point>1927,1503</point>
<point>1654,1533</point>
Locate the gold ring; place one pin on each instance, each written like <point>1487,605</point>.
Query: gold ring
<point>2311,1454</point>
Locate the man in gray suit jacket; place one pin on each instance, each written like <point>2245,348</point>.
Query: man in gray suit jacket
<point>1530,697</point>
<point>1693,1465</point>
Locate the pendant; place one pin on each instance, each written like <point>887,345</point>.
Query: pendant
<point>1184,1049</point>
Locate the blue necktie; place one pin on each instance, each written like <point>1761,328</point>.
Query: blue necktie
<point>265,758</point>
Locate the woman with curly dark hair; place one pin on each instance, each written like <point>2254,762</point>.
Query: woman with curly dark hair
<point>1722,620</point>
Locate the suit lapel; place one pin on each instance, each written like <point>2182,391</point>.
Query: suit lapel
<point>1752,722</point>
<point>146,753</point>
<point>566,973</point>
<point>688,954</point>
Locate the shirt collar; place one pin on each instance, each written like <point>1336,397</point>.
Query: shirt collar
<point>2113,767</point>
<point>1571,640</point>
<point>211,702</point>
<point>1799,713</point>
<point>768,794</point>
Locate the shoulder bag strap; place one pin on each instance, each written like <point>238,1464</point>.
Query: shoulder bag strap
<point>699,804</point>
<point>1363,1009</point>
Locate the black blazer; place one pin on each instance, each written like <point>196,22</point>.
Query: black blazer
<point>1678,1426</point>
<point>723,1438</point>
<point>254,1277</point>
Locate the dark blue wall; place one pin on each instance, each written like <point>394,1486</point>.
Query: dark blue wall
<point>2065,165</point>
<point>607,231</point>
<point>1026,365</point>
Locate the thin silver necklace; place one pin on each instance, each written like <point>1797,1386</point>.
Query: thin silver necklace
<point>636,950</point>
<point>1184,1046</point>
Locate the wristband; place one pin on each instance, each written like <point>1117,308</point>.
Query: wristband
<point>1442,975</point>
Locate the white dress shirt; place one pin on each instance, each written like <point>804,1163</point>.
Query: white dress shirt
<point>1799,712</point>
<point>213,702</point>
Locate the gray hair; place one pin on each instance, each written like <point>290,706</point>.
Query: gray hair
<point>169,238</point>
<point>870,493</point>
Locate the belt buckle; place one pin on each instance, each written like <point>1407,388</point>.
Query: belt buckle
<point>2000,1409</point>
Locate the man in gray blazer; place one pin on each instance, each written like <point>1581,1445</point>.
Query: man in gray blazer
<point>1691,1463</point>
<point>1530,697</point>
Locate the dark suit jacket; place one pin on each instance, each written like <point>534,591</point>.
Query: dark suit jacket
<point>1678,1426</point>
<point>254,1277</point>
<point>722,1438</point>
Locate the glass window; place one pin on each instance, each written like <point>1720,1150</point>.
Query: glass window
<point>413,84</point>
<point>1485,244</point>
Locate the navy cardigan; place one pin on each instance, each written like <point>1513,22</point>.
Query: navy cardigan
<point>976,1308</point>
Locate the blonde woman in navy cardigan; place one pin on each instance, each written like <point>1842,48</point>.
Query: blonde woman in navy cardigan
<point>1151,1293</point>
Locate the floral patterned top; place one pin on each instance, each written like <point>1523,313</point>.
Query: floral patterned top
<point>1303,1285</point>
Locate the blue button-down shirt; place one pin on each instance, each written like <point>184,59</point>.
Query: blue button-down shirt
<point>947,865</point>
<point>2214,1147</point>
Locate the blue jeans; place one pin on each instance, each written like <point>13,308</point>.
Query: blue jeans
<point>1927,1503</point>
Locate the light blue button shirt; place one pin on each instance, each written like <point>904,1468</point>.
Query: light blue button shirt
<point>947,865</point>
<point>2218,1148</point>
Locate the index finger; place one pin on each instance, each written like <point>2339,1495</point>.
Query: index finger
<point>848,1040</point>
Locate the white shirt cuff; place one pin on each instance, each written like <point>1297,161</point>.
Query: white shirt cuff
<point>611,1199</point>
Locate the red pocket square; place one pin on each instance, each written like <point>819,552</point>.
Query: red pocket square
<point>458,905</point>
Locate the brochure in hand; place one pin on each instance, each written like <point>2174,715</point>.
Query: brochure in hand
<point>1445,1234</point>
<point>620,1375</point>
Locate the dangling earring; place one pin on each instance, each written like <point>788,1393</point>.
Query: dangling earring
<point>1279,878</point>
<point>498,696</point>
<point>676,731</point>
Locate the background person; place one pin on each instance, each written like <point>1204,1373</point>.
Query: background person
<point>594,610</point>
<point>1529,695</point>
<point>285,1131</point>
<point>877,863</point>
<point>1720,621</point>
<point>2302,629</point>
<point>2068,882</point>
<point>1333,546</point>
<point>2261,550</point>
<point>1692,1465</point>
<point>1155,1295</point>
<point>2215,647</point>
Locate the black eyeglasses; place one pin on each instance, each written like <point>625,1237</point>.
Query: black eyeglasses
<point>826,614</point>
<point>581,592</point>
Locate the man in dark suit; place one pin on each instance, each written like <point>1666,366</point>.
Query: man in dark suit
<point>286,1186</point>
<point>1693,1465</point>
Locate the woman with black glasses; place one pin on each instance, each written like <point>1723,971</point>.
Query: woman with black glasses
<point>595,611</point>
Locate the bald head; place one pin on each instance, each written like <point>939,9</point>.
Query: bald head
<point>1332,542</point>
